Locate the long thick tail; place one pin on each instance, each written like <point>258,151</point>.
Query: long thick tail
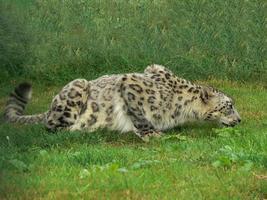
<point>16,104</point>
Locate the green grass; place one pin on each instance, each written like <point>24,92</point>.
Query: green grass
<point>191,162</point>
<point>51,42</point>
<point>54,41</point>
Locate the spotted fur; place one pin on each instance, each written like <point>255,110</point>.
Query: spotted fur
<point>145,103</point>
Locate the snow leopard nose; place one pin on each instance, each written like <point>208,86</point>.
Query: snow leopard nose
<point>237,121</point>
<point>237,118</point>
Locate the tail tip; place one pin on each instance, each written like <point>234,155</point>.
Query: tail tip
<point>24,90</point>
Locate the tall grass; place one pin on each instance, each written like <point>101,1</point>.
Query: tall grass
<point>197,39</point>
<point>13,41</point>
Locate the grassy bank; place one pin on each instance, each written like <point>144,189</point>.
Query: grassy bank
<point>51,42</point>
<point>56,41</point>
<point>192,162</point>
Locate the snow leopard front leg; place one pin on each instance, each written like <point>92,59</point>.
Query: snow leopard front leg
<point>144,129</point>
<point>133,96</point>
<point>68,105</point>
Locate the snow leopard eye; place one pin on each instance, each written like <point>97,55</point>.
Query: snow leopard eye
<point>229,110</point>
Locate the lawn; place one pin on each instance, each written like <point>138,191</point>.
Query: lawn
<point>218,43</point>
<point>197,161</point>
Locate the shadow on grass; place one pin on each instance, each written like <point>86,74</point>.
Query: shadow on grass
<point>25,136</point>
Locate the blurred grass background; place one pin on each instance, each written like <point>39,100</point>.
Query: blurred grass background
<point>54,41</point>
<point>50,42</point>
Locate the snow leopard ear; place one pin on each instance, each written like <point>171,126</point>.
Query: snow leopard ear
<point>206,94</point>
